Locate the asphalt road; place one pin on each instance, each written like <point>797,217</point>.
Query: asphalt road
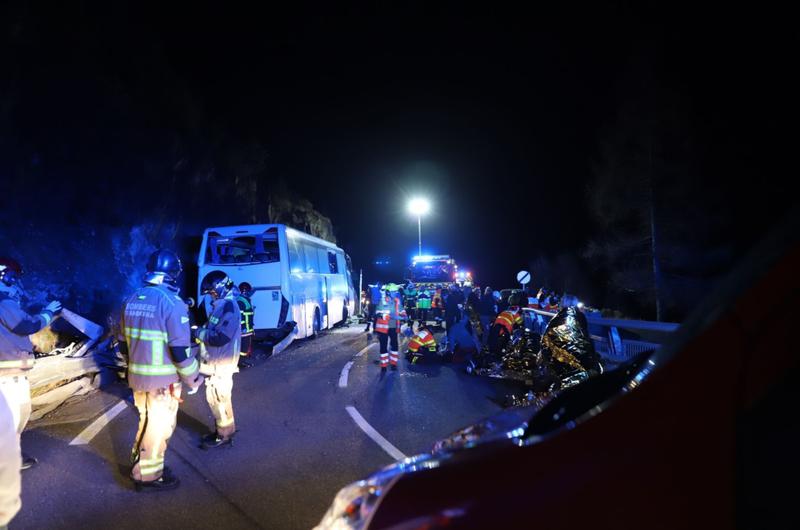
<point>297,443</point>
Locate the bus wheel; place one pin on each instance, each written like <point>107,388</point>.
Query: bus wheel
<point>317,324</point>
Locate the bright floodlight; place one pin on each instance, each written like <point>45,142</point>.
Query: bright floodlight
<point>419,206</point>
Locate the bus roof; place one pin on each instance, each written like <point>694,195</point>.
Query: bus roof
<point>258,229</point>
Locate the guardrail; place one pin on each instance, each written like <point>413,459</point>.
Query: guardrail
<point>616,340</point>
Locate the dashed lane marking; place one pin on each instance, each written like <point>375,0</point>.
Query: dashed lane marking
<point>393,451</point>
<point>97,425</point>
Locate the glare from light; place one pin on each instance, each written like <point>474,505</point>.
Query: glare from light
<point>419,206</point>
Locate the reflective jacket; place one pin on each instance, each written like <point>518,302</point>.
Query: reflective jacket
<point>423,300</point>
<point>436,301</point>
<point>423,339</point>
<point>510,318</point>
<point>156,334</point>
<point>246,310</point>
<point>389,315</point>
<point>221,337</point>
<point>16,350</point>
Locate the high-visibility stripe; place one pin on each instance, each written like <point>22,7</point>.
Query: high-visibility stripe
<point>146,334</point>
<point>150,470</point>
<point>47,318</point>
<point>157,339</point>
<point>225,423</point>
<point>189,370</point>
<point>147,369</point>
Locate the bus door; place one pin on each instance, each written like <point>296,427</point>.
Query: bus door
<point>323,302</point>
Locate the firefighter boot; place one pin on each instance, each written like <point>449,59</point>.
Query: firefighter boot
<point>28,461</point>
<point>163,483</point>
<point>214,440</point>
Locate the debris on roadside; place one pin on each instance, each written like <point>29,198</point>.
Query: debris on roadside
<point>68,362</point>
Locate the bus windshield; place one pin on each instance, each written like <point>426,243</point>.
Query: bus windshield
<point>244,249</point>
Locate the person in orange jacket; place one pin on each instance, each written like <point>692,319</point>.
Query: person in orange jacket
<point>422,343</point>
<point>505,323</point>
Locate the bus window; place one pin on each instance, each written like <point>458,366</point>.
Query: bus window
<point>261,248</point>
<point>296,261</point>
<point>310,253</point>
<point>333,265</point>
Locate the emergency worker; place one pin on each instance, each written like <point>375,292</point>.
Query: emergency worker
<point>487,309</point>
<point>423,303</point>
<point>410,294</point>
<point>375,297</point>
<point>10,474</point>
<point>16,349</point>
<point>454,306</point>
<point>437,303</point>
<point>155,337</point>
<point>421,344</point>
<point>247,312</point>
<point>387,325</point>
<point>219,354</point>
<point>505,323</point>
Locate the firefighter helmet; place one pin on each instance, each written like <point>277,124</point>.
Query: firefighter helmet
<point>164,265</point>
<point>245,288</point>
<point>10,271</point>
<point>217,284</point>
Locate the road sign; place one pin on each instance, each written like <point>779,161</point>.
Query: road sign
<point>523,277</point>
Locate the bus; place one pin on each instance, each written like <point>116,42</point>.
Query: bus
<point>301,284</point>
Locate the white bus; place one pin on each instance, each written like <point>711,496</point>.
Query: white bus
<point>301,283</point>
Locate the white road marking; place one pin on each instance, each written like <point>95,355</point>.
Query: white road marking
<point>343,375</point>
<point>364,350</point>
<point>97,425</point>
<point>393,451</point>
<point>346,370</point>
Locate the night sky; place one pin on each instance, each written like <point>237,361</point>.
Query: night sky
<point>498,117</point>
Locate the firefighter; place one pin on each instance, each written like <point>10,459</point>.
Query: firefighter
<point>387,325</point>
<point>10,474</point>
<point>219,354</point>
<point>421,344</point>
<point>155,337</point>
<point>247,312</point>
<point>16,350</point>
<point>505,323</point>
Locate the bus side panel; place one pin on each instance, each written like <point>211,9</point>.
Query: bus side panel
<point>298,299</point>
<point>336,298</point>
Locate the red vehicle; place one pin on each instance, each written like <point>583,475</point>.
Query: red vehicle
<point>701,433</point>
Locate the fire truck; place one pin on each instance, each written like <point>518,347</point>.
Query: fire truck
<point>433,269</point>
